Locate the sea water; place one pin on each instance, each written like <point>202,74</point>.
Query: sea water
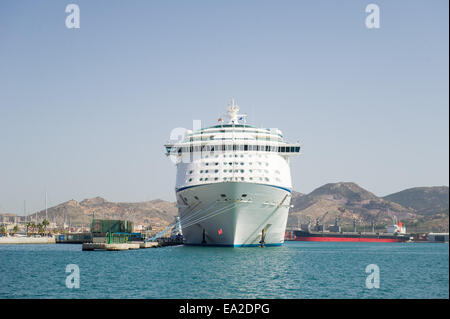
<point>294,270</point>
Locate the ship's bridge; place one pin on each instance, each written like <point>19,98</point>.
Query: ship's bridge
<point>234,136</point>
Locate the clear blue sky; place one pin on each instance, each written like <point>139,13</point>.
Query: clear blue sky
<point>85,112</point>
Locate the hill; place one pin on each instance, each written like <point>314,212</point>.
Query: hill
<point>348,201</point>
<point>156,212</point>
<point>423,200</point>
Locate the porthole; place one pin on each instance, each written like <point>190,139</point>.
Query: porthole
<point>201,179</point>
<point>201,171</point>
<point>216,178</point>
<point>216,171</point>
<point>190,179</point>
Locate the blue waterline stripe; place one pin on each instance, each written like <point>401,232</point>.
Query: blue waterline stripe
<point>236,246</point>
<point>183,188</point>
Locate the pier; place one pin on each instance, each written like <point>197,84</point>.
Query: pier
<point>120,246</point>
<point>27,240</point>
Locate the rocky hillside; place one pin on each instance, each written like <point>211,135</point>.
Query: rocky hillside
<point>423,200</point>
<point>156,212</point>
<point>347,201</point>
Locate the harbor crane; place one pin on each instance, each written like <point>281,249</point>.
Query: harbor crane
<point>319,222</point>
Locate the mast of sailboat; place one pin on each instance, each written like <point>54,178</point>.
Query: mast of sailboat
<point>46,216</point>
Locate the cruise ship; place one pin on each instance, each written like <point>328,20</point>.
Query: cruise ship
<point>233,183</point>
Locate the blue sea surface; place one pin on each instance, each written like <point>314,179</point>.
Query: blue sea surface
<point>294,270</point>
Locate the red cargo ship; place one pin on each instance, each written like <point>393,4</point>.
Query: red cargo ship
<point>300,235</point>
<point>396,234</point>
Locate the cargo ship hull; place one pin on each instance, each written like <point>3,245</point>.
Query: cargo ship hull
<point>344,237</point>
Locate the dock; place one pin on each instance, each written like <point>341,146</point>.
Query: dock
<point>110,247</point>
<point>27,240</point>
<point>120,246</point>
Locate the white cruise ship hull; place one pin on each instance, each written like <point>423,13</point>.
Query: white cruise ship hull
<point>233,214</point>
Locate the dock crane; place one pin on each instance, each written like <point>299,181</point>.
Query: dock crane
<point>319,222</point>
